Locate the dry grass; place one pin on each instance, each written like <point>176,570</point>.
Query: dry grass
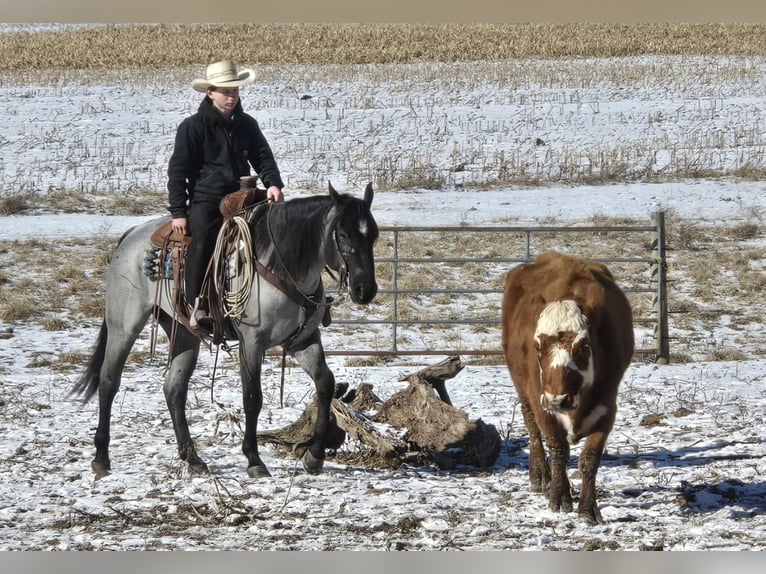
<point>112,171</point>
<point>53,283</point>
<point>714,272</point>
<point>118,46</point>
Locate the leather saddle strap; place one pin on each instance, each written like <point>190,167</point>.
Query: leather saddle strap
<point>286,288</point>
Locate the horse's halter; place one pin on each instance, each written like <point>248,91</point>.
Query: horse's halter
<point>342,277</point>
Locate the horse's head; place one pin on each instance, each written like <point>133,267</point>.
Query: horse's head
<point>355,235</point>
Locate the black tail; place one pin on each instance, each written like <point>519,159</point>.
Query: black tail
<point>91,377</point>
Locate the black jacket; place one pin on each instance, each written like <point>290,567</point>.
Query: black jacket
<point>212,153</point>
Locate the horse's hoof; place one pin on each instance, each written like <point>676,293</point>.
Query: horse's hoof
<point>311,464</point>
<point>258,471</point>
<point>100,469</point>
<point>198,469</point>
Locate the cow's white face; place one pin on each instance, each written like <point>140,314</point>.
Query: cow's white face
<point>564,356</point>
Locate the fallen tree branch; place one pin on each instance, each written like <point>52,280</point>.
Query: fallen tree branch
<point>414,424</point>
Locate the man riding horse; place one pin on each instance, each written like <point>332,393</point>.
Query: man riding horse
<point>214,148</point>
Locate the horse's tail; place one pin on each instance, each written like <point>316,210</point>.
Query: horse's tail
<point>88,382</point>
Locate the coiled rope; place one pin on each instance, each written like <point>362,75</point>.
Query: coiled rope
<point>236,232</point>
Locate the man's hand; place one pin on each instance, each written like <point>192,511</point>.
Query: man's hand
<point>274,194</point>
<point>180,225</point>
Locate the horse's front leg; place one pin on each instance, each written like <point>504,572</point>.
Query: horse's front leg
<point>250,362</point>
<point>185,352</point>
<point>311,358</point>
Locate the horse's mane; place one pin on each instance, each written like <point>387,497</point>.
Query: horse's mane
<point>296,226</point>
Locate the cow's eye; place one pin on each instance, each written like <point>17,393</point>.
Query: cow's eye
<point>583,352</point>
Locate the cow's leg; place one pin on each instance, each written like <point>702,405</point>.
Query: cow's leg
<point>250,362</point>
<point>560,494</point>
<point>311,358</point>
<point>590,458</point>
<point>539,471</point>
<point>183,360</point>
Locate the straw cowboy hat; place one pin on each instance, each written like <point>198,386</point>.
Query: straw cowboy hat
<point>224,74</point>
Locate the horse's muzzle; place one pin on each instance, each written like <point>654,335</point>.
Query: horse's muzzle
<point>363,293</point>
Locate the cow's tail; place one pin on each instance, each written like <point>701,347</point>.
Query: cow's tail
<point>90,379</point>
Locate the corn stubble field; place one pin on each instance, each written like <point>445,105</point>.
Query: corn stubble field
<point>67,292</point>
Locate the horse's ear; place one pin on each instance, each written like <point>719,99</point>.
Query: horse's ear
<point>368,194</point>
<point>334,194</point>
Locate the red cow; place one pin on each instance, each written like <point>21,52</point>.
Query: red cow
<point>568,338</point>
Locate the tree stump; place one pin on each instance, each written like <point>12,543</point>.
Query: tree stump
<point>418,424</point>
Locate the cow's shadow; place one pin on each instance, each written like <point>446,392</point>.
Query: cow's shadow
<point>746,499</point>
<point>682,457</point>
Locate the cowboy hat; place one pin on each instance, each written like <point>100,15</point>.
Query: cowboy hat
<point>224,74</point>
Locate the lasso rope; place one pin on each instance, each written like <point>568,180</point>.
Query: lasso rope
<point>235,231</point>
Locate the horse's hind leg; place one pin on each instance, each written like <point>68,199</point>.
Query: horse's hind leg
<point>183,360</point>
<point>312,359</point>
<point>121,335</point>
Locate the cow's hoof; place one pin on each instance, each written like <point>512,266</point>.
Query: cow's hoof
<point>311,464</point>
<point>258,471</point>
<point>590,516</point>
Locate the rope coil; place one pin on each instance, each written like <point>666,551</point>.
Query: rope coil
<point>235,231</point>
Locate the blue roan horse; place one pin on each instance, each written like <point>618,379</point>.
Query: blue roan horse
<point>295,240</point>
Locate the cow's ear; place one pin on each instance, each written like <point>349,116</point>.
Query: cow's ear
<point>593,298</point>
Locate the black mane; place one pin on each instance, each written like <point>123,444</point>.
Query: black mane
<point>295,228</point>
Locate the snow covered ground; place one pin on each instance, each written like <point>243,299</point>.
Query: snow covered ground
<point>685,465</point>
<point>685,468</point>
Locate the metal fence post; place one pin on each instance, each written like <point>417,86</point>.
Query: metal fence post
<point>659,283</point>
<point>395,290</point>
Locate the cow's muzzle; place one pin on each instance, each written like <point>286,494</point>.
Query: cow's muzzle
<point>559,403</point>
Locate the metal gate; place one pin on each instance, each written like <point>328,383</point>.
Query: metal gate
<point>441,287</point>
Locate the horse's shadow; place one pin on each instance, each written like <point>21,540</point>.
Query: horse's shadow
<point>746,499</point>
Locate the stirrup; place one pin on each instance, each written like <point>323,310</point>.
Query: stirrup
<point>199,317</point>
